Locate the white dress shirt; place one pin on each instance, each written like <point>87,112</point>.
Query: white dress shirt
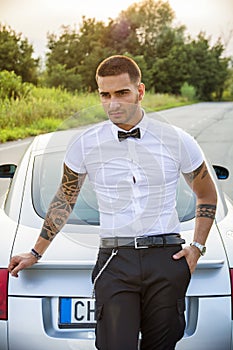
<point>135,180</point>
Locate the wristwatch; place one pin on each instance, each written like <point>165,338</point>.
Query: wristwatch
<point>201,247</point>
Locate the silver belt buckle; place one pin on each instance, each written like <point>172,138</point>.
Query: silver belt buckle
<point>136,243</point>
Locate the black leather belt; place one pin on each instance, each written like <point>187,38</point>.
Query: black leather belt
<point>166,240</point>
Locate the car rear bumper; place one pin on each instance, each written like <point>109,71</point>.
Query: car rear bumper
<point>3,335</point>
<point>34,324</point>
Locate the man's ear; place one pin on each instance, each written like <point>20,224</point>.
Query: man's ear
<point>141,91</point>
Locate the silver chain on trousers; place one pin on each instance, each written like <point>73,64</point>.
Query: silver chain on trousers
<point>114,253</point>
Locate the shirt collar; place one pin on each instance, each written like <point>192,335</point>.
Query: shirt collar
<point>142,125</point>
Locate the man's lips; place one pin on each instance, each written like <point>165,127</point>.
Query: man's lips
<point>115,114</point>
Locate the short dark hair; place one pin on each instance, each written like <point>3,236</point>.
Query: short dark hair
<point>118,64</point>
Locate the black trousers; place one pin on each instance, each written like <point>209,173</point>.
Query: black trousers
<point>140,291</point>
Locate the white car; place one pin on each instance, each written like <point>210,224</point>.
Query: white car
<point>50,306</point>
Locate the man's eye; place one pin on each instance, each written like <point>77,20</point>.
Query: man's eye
<point>104,95</point>
<point>122,93</point>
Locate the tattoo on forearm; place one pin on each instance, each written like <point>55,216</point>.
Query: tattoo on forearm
<point>202,169</point>
<point>206,211</point>
<point>62,204</point>
<point>205,172</point>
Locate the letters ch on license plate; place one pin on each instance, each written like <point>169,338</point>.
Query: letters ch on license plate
<point>76,313</point>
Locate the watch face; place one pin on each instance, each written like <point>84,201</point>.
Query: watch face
<point>203,250</point>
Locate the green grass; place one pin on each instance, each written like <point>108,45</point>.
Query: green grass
<point>158,102</point>
<point>45,110</point>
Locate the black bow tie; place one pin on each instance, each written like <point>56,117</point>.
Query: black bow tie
<point>124,135</point>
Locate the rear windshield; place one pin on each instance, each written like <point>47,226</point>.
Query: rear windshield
<point>47,174</point>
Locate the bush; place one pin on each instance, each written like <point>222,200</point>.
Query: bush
<point>12,87</point>
<point>46,110</point>
<point>188,91</point>
<point>228,92</point>
<point>65,78</point>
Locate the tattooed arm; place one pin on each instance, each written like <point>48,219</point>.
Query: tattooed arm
<point>204,188</point>
<point>62,204</point>
<point>58,213</point>
<point>202,185</point>
<point>60,208</point>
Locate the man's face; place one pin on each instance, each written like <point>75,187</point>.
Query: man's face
<point>121,99</point>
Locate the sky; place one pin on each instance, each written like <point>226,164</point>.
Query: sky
<point>35,18</point>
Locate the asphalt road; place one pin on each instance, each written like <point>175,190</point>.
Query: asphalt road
<point>211,123</point>
<point>212,126</point>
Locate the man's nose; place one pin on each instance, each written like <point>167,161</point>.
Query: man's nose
<point>114,104</point>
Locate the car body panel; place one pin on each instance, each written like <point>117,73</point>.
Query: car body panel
<point>78,247</point>
<point>65,270</point>
<point>44,334</point>
<point>208,308</point>
<point>8,228</point>
<point>225,227</point>
<point>44,331</point>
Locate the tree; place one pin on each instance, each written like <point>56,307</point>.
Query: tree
<point>148,19</point>
<point>146,29</point>
<point>228,93</point>
<point>170,67</point>
<point>63,50</point>
<point>149,33</point>
<point>145,32</point>
<point>62,77</point>
<point>16,55</point>
<point>78,50</point>
<point>121,36</point>
<point>208,70</point>
<point>134,32</point>
<point>93,49</point>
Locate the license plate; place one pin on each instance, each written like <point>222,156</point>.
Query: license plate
<point>76,313</point>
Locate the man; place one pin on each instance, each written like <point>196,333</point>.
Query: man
<point>142,272</point>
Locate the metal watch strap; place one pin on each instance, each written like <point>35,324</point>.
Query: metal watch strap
<point>201,247</point>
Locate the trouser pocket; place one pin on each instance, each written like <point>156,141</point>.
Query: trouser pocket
<point>102,258</point>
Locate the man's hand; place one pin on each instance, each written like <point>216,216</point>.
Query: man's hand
<point>20,262</point>
<point>191,254</point>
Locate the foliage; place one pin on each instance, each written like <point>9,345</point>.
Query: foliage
<point>16,55</point>
<point>228,91</point>
<point>188,91</point>
<point>78,53</point>
<point>45,110</point>
<point>145,32</point>
<point>62,77</point>
<point>170,68</point>
<point>148,19</point>
<point>207,69</point>
<point>37,128</point>
<point>157,102</point>
<point>12,87</point>
<point>49,109</point>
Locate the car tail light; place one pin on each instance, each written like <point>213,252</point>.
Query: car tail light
<point>231,274</point>
<point>3,294</point>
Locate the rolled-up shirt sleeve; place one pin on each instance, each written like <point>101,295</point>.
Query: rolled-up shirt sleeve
<point>191,154</point>
<point>74,157</point>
